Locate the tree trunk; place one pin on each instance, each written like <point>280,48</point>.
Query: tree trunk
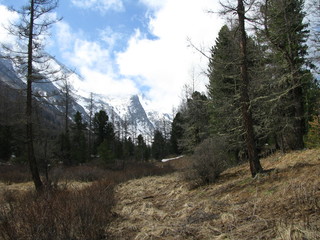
<point>31,156</point>
<point>255,166</point>
<point>298,103</point>
<point>298,123</point>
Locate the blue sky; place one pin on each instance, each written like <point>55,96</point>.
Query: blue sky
<point>124,47</point>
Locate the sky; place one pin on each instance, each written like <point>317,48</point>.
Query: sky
<point>125,47</point>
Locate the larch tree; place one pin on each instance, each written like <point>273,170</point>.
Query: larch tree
<point>314,19</point>
<point>32,62</point>
<point>68,97</point>
<point>255,166</point>
<point>90,127</point>
<point>245,102</point>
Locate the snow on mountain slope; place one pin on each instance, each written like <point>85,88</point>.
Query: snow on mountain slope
<point>130,115</point>
<point>9,76</point>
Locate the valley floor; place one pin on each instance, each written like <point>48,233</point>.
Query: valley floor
<point>283,204</point>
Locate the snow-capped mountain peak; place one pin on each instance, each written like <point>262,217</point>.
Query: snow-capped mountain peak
<point>131,114</point>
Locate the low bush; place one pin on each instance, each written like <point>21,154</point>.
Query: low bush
<point>68,214</point>
<point>77,173</point>
<point>138,170</point>
<point>14,173</point>
<point>209,160</point>
<point>58,214</point>
<point>92,173</point>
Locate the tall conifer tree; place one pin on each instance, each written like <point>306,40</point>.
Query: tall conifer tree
<point>287,33</point>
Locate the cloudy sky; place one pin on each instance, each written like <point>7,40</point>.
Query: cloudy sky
<point>124,47</point>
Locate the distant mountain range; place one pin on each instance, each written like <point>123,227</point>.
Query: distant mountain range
<point>130,115</point>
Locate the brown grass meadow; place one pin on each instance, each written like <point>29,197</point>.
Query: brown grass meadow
<point>283,204</point>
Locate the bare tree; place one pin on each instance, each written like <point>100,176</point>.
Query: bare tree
<point>314,17</point>
<point>241,9</point>
<point>90,136</point>
<point>255,166</point>
<point>32,62</point>
<point>68,94</point>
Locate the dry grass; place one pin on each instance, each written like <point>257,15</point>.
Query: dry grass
<point>57,214</point>
<point>283,204</point>
<point>69,209</point>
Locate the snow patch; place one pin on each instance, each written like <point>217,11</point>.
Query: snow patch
<point>170,159</point>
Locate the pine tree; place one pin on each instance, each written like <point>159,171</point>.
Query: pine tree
<point>286,34</point>
<point>176,134</point>
<point>158,146</point>
<point>100,122</point>
<point>141,151</point>
<point>6,142</point>
<point>196,117</point>
<point>223,90</point>
<point>105,141</point>
<point>128,149</point>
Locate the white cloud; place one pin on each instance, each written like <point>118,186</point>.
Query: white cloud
<point>161,65</point>
<point>91,55</point>
<point>99,5</point>
<point>165,63</point>
<point>92,60</point>
<point>110,37</point>
<point>6,17</point>
<point>64,35</point>
<point>103,83</point>
<point>154,4</point>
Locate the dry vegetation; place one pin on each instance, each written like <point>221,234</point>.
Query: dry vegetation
<point>68,210</point>
<point>282,204</point>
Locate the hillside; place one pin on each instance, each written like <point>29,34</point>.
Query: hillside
<point>283,204</point>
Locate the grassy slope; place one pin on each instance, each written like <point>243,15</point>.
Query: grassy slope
<point>284,204</point>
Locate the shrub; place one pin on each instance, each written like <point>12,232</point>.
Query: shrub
<point>14,173</point>
<point>209,160</point>
<point>77,173</point>
<point>68,213</point>
<point>58,214</point>
<point>139,170</point>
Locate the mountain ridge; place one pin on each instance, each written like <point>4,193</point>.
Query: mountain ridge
<point>126,112</point>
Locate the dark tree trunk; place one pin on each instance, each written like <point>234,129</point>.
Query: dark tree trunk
<point>255,166</point>
<point>31,156</point>
<point>299,119</point>
<point>299,125</point>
